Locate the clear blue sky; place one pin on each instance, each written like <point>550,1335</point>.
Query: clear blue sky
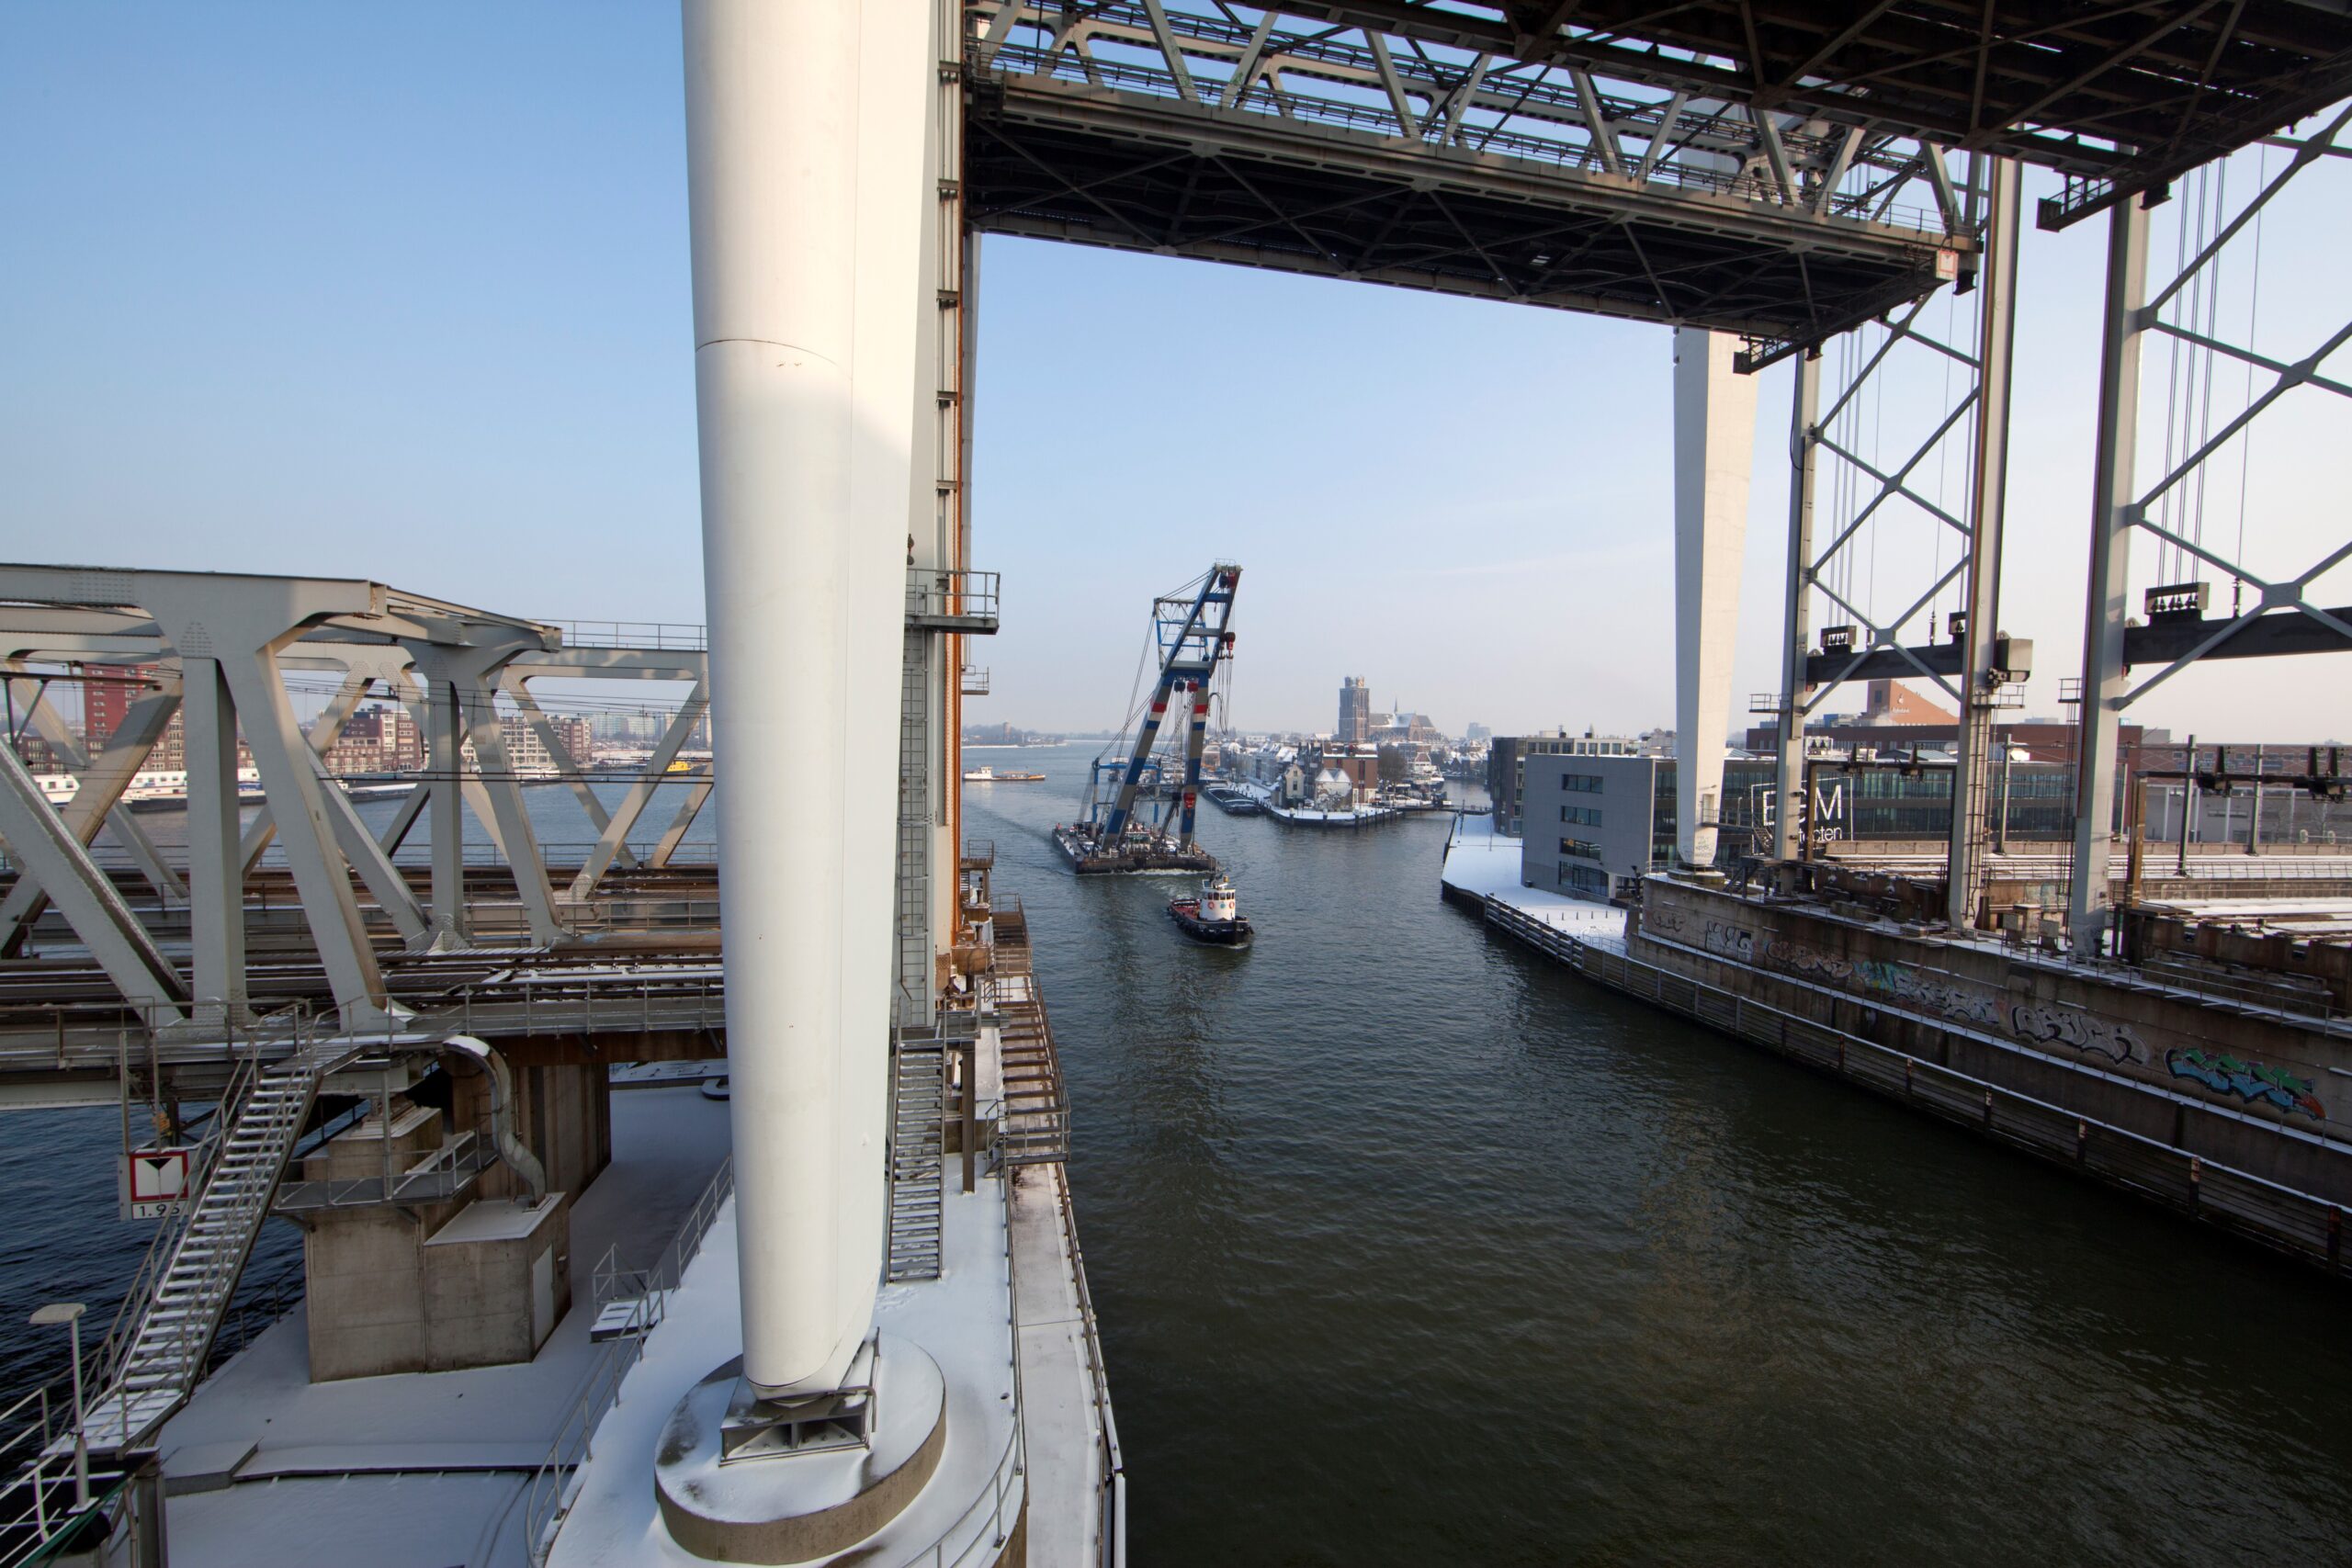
<point>402,292</point>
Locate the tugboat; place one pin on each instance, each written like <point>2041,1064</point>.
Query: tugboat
<point>1213,917</point>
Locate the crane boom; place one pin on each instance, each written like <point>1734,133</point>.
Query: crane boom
<point>1193,635</point>
<point>1194,744</point>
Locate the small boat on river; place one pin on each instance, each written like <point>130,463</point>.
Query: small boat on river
<point>1213,917</point>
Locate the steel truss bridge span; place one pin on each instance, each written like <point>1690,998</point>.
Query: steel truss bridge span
<point>1781,174</point>
<point>2117,98</point>
<point>1336,151</point>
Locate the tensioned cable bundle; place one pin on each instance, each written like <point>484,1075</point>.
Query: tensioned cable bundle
<point>2252,322</point>
<point>2188,370</point>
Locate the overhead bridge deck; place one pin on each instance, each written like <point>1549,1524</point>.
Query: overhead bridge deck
<point>1320,150</point>
<point>2117,98</point>
<point>1779,174</point>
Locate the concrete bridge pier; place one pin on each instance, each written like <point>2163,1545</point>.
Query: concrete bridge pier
<point>1714,446</point>
<point>464,1264</point>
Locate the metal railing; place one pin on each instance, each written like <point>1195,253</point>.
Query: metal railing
<point>291,1024</point>
<point>156,1357</point>
<point>1112,1504</point>
<point>588,1004</point>
<point>681,636</point>
<point>2272,990</point>
<point>2206,862</point>
<point>36,1500</point>
<point>985,1516</point>
<point>2301,999</point>
<point>1010,1474</point>
<point>440,1176</point>
<point>554,1485</point>
<point>956,594</point>
<point>39,1504</point>
<point>614,911</point>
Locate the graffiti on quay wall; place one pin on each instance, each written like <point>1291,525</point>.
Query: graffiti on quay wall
<point>1797,957</point>
<point>1966,1001</point>
<point>2250,1081</point>
<point>2039,1023</point>
<point>1953,999</point>
<point>2046,1024</point>
<point>1732,941</point>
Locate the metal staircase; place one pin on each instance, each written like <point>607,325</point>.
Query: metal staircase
<point>1035,1129</point>
<point>157,1365</point>
<point>918,1118</point>
<point>913,929</point>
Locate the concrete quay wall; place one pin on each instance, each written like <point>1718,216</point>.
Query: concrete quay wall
<point>2210,1157</point>
<point>2235,1084</point>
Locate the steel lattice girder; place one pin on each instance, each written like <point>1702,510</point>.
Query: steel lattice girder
<point>2264,636</point>
<point>1066,162</point>
<point>2120,97</point>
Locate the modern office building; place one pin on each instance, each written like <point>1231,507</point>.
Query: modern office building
<point>1507,765</point>
<point>1589,820</point>
<point>1592,822</point>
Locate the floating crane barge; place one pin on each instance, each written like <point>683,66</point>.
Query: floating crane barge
<point>1191,628</point>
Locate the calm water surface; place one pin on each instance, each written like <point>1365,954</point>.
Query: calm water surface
<point>1410,1248</point>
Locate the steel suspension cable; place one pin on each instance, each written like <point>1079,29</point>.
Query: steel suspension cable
<point>2218,178</point>
<point>2173,353</point>
<point>2252,321</point>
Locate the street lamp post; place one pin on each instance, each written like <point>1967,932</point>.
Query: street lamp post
<point>70,1315</point>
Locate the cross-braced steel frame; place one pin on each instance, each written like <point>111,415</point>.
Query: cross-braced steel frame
<point>2284,616</point>
<point>1973,666</point>
<point>218,651</point>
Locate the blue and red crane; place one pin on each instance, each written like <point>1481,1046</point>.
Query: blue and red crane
<point>1192,632</point>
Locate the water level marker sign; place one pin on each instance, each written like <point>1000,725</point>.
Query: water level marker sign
<point>153,1182</point>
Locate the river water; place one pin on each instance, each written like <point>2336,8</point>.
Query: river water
<point>1411,1247</point>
